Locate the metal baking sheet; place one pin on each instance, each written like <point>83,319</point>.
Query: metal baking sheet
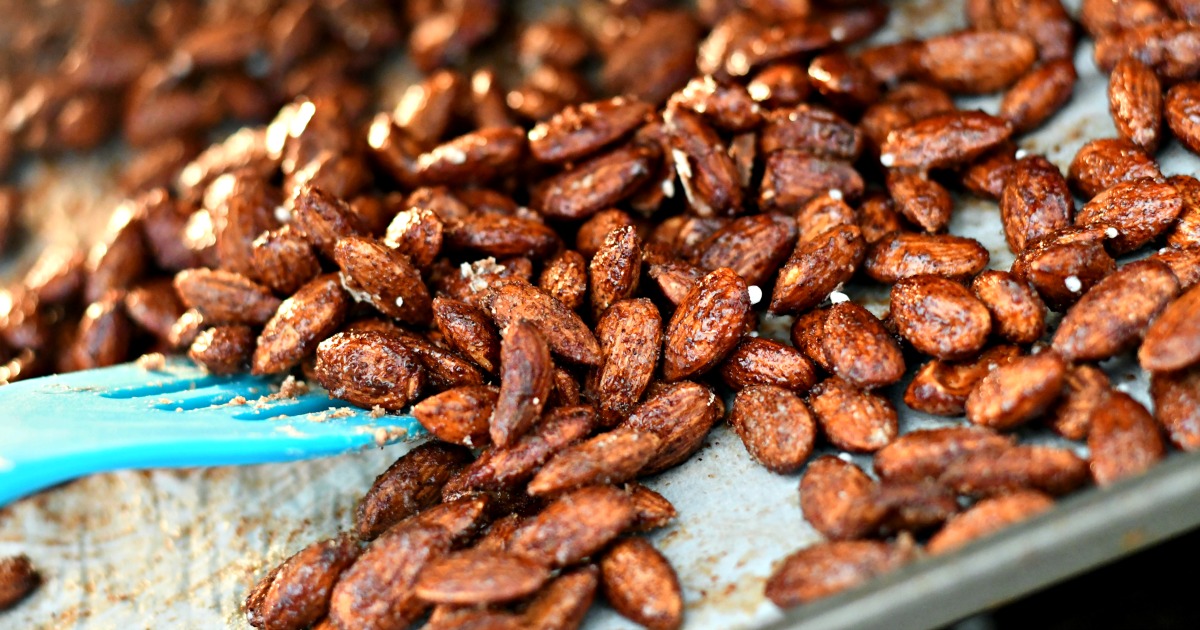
<point>180,548</point>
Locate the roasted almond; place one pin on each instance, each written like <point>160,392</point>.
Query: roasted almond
<point>921,200</point>
<point>988,517</point>
<point>1064,265</point>
<point>904,254</point>
<point>653,509</point>
<point>1137,210</point>
<point>1017,392</point>
<point>479,576</point>
<point>836,499</point>
<point>1173,340</point>
<point>224,297</point>
<point>944,140</point>
<point>1135,99</point>
<point>608,458</point>
<point>296,595</point>
<point>574,526</point>
<point>566,333</point>
<point>1104,163</point>
<point>941,387</point>
<point>412,483</point>
<point>565,277</point>
<point>754,247</point>
<point>630,335</point>
<point>1054,471</point>
<point>526,371</point>
<point>1113,315</point>
<point>1038,95</point>
<point>1182,103</point>
<point>829,567</point>
<point>926,453</point>
<point>469,330</point>
<point>1087,389</point>
<point>563,602</point>
<point>578,131</point>
<point>775,425</point>
<point>859,349</point>
<point>1124,440</point>
<point>304,320</point>
<point>816,268</point>
<point>976,62</point>
<point>459,415</point>
<point>369,369</point>
<point>1035,202</point>
<point>615,269</point>
<point>852,419</point>
<point>377,591</point>
<point>1186,231</point>
<point>758,361</point>
<point>1018,314</point>
<point>681,415</point>
<point>708,324</point>
<point>509,466</point>
<point>1177,406</point>
<point>641,585</point>
<point>939,317</point>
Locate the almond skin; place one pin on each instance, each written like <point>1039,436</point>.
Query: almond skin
<point>707,325</point>
<point>1113,315</point>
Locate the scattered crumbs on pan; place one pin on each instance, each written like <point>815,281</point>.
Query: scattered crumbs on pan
<point>152,362</point>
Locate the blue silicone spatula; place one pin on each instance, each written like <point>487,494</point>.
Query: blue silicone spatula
<point>60,427</point>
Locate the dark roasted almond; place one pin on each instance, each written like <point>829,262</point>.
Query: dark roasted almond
<point>412,483</point>
<point>608,458</point>
<point>369,369</point>
<point>526,373</point>
<point>939,317</point>
<point>836,499</point>
<point>757,361</point>
<point>904,254</point>
<point>829,567</point>
<point>1177,406</point>
<point>479,576</point>
<point>926,453</point>
<point>1113,315</point>
<point>574,526</point>
<point>859,349</point>
<point>304,320</point>
<point>988,517</point>
<point>943,140</point>
<point>1124,439</point>
<point>566,333</point>
<point>1054,471</point>
<point>1173,340</point>
<point>681,415</point>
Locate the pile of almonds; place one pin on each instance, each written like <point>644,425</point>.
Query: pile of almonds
<point>565,304</point>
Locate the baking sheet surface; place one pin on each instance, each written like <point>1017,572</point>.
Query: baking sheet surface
<point>164,549</point>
